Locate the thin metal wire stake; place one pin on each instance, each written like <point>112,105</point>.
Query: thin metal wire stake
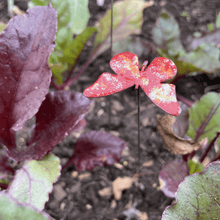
<point>111,42</point>
<point>138,98</point>
<point>139,149</point>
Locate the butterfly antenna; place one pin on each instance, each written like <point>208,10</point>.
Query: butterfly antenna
<point>144,66</point>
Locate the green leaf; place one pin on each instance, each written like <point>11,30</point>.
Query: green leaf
<point>166,34</point>
<point>33,3</point>
<point>2,27</point>
<point>34,181</point>
<point>58,70</point>
<point>79,14</point>
<point>68,51</point>
<point>58,67</point>
<point>195,167</point>
<point>198,196</point>
<point>73,51</point>
<point>73,14</point>
<point>205,58</point>
<point>211,50</point>
<point>10,209</point>
<point>73,17</point>
<point>197,34</point>
<point>64,37</point>
<point>185,67</point>
<point>204,117</point>
<point>218,143</point>
<point>185,14</point>
<point>210,27</point>
<point>127,20</point>
<point>217,22</point>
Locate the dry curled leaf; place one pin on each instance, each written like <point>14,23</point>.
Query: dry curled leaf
<point>172,142</point>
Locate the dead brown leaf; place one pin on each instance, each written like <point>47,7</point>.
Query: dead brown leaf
<point>172,142</point>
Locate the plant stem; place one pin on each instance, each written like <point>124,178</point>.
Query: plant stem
<point>185,157</point>
<point>184,100</point>
<point>3,186</point>
<point>55,86</point>
<point>69,80</point>
<point>177,78</point>
<point>188,156</point>
<point>217,158</point>
<point>72,80</point>
<point>209,147</point>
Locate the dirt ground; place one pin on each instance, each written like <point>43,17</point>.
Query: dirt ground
<point>78,195</point>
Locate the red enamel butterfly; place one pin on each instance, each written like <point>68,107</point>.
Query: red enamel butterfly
<point>128,74</point>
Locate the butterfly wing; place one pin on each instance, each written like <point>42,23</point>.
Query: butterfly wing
<point>107,84</point>
<point>163,95</point>
<point>126,65</point>
<point>127,69</point>
<point>161,69</point>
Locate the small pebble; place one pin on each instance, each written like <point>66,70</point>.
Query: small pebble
<point>58,192</point>
<point>85,176</point>
<point>88,206</point>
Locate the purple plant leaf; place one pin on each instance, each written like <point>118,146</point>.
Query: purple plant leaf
<point>25,46</point>
<point>171,175</point>
<point>96,148</point>
<point>60,113</point>
<point>198,196</point>
<point>80,125</point>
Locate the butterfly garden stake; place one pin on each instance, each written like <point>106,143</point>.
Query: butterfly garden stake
<point>128,74</point>
<point>149,79</point>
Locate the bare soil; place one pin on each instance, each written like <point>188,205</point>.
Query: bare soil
<point>77,195</point>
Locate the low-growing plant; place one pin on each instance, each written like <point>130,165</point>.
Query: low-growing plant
<point>166,35</point>
<point>201,54</point>
<point>25,46</point>
<point>72,19</point>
